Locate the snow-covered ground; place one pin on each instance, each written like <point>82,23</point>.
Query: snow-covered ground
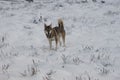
<point>92,49</point>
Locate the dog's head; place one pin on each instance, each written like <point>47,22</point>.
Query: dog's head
<point>48,30</point>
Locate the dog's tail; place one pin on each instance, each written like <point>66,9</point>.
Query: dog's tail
<point>61,24</point>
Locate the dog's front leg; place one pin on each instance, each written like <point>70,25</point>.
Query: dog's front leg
<point>56,40</point>
<point>50,43</point>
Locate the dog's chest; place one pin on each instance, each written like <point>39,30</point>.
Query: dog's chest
<point>52,39</point>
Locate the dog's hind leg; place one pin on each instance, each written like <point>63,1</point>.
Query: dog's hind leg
<point>63,38</point>
<point>59,40</point>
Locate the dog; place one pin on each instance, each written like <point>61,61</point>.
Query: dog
<point>55,33</point>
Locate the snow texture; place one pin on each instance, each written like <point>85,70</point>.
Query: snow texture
<point>92,49</point>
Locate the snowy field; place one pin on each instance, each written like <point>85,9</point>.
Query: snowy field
<point>92,49</point>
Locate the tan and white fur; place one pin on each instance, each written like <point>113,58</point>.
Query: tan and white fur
<point>55,33</point>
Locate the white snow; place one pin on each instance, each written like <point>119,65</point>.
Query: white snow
<point>92,49</point>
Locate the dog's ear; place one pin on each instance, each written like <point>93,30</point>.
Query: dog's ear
<point>50,25</point>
